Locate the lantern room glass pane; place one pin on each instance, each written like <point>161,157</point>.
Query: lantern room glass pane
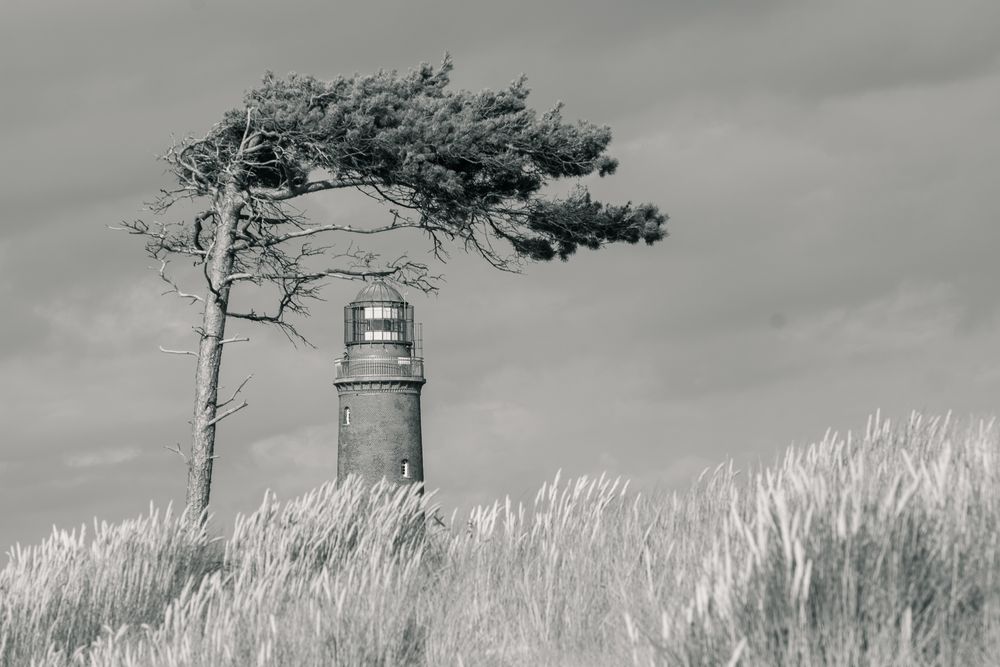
<point>382,335</point>
<point>382,313</point>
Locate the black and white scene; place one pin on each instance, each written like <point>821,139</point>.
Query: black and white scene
<point>443,333</point>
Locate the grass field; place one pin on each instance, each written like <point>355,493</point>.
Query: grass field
<point>879,549</point>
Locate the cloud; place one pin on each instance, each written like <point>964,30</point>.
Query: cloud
<point>815,50</point>
<point>303,448</point>
<point>124,319</point>
<point>298,460</point>
<point>911,319</point>
<point>103,457</point>
<point>678,473</point>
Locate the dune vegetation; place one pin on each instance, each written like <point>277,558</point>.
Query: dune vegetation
<point>878,549</point>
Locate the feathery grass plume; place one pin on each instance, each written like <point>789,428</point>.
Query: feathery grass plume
<point>876,550</point>
<point>62,593</point>
<point>880,551</point>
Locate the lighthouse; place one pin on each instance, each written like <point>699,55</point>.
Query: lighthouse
<point>378,382</point>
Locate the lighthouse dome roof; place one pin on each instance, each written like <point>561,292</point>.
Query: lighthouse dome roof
<point>378,290</point>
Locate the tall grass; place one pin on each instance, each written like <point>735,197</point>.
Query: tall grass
<point>876,550</point>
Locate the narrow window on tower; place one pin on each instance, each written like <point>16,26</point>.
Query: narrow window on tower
<point>347,416</point>
<point>406,468</point>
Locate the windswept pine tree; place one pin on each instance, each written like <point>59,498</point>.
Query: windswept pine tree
<point>467,169</point>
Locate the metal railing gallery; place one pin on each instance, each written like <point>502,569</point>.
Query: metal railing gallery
<point>380,367</point>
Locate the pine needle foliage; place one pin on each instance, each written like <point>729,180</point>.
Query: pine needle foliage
<point>470,165</point>
<point>871,550</point>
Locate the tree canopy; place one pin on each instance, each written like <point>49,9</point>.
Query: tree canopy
<point>458,164</point>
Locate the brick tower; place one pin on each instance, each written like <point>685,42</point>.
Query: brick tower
<point>378,380</point>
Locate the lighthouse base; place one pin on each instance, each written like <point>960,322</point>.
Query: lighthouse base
<point>379,435</point>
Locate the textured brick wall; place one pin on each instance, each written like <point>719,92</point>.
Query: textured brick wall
<point>384,430</point>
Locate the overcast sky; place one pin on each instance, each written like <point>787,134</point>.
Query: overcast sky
<point>830,169</point>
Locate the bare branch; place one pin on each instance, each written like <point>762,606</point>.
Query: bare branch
<point>176,449</point>
<point>174,289</point>
<point>236,277</point>
<point>254,316</point>
<point>227,413</point>
<point>235,393</point>
<point>290,192</point>
<point>246,136</point>
<point>160,239</point>
<point>310,231</point>
<point>235,339</point>
<point>347,274</point>
<point>278,320</point>
<point>188,352</point>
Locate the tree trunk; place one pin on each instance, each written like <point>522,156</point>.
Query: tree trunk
<point>206,383</point>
